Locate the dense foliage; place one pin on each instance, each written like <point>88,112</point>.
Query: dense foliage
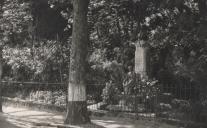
<point>36,37</point>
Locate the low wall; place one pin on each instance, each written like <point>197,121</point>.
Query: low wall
<point>32,105</point>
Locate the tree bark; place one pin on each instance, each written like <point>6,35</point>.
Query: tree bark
<point>1,58</point>
<point>1,70</point>
<point>77,107</point>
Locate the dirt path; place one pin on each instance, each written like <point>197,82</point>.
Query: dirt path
<point>14,117</point>
<point>6,124</point>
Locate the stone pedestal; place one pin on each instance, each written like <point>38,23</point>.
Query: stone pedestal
<point>141,59</point>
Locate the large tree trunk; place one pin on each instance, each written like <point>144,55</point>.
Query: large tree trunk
<point>1,69</point>
<point>1,59</point>
<point>77,107</point>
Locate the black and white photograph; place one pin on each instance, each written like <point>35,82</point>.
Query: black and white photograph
<point>103,63</point>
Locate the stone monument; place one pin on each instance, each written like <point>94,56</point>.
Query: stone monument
<point>141,59</point>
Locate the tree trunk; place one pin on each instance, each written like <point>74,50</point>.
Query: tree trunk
<point>1,59</point>
<point>1,69</point>
<point>77,107</point>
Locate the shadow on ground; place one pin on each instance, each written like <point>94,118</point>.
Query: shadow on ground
<point>91,125</point>
<point>26,118</point>
<point>4,123</point>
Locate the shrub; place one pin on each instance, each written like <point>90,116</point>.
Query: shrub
<point>181,105</point>
<point>145,92</point>
<point>110,93</point>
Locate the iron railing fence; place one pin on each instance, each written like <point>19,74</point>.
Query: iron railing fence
<point>170,102</point>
